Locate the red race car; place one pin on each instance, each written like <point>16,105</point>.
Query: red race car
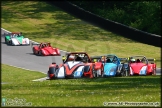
<point>45,49</point>
<point>76,65</point>
<point>140,65</point>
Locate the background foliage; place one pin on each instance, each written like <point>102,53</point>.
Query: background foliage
<point>142,15</point>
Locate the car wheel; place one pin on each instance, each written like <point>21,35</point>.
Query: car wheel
<point>102,72</point>
<point>52,72</point>
<point>154,72</point>
<point>33,51</point>
<point>11,43</point>
<point>94,72</point>
<point>39,53</point>
<point>126,72</point>
<point>99,73</point>
<point>5,40</point>
<point>123,71</point>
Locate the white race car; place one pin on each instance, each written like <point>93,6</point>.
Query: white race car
<point>16,38</point>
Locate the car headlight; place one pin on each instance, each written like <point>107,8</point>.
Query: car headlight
<point>143,70</point>
<point>78,73</point>
<point>111,73</point>
<point>112,69</point>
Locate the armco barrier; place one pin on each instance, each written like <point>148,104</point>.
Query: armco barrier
<point>109,25</point>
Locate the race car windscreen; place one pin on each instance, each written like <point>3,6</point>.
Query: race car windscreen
<point>138,59</point>
<point>77,57</point>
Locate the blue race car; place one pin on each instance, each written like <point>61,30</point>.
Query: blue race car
<point>115,66</point>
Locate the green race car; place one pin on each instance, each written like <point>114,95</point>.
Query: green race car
<point>16,38</point>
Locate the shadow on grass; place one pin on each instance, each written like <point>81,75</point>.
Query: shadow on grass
<point>66,24</point>
<point>65,29</point>
<point>98,86</point>
<point>107,83</point>
<point>122,83</point>
<point>26,9</point>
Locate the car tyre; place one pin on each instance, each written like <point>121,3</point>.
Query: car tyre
<point>52,70</point>
<point>11,43</point>
<point>154,72</point>
<point>33,51</point>
<point>101,73</point>
<point>123,71</point>
<point>94,72</point>
<point>39,53</point>
<point>5,40</point>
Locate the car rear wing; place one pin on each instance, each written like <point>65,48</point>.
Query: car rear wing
<point>151,60</point>
<point>33,43</point>
<point>123,60</point>
<point>6,34</point>
<point>16,32</point>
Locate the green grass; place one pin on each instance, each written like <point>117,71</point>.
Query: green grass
<point>42,22</point>
<point>77,92</point>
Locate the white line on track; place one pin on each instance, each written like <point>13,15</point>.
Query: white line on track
<point>41,79</point>
<point>25,69</point>
<point>4,82</point>
<point>5,30</point>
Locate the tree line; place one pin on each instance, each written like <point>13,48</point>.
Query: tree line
<point>142,15</point>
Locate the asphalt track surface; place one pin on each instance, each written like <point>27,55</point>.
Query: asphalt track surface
<point>22,56</point>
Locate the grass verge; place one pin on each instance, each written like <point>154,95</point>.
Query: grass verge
<point>77,92</point>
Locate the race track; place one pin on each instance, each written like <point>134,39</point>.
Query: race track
<point>22,56</point>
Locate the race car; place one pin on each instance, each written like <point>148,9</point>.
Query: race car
<point>16,38</point>
<point>140,65</point>
<point>76,65</point>
<point>45,49</point>
<point>114,66</point>
<point>98,60</point>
